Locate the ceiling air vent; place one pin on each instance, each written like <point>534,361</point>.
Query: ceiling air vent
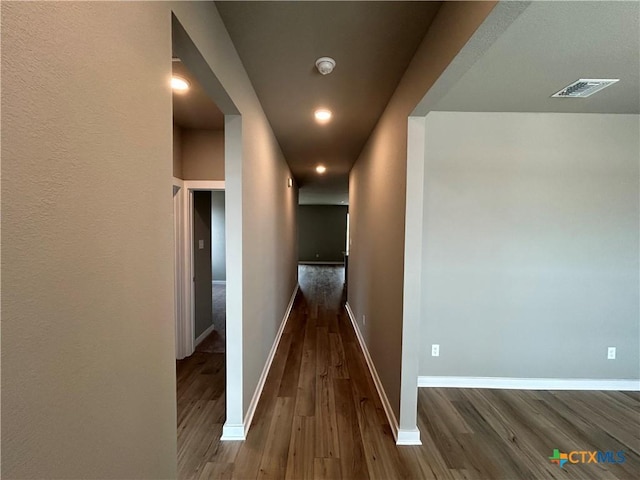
<point>585,87</point>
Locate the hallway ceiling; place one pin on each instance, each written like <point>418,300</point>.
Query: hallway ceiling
<point>550,45</point>
<point>279,42</point>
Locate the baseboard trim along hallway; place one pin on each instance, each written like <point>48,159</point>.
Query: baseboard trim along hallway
<point>506,383</point>
<point>204,334</point>
<point>267,366</point>
<point>393,422</point>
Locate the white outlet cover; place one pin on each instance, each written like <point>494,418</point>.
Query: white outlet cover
<point>611,353</point>
<point>435,350</point>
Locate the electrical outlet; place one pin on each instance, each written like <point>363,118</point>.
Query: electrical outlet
<point>364,319</point>
<point>611,353</point>
<point>435,350</point>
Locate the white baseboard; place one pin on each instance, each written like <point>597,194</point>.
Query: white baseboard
<point>393,422</point>
<point>219,282</point>
<point>232,432</point>
<point>267,366</point>
<point>408,437</point>
<point>529,383</point>
<point>204,335</point>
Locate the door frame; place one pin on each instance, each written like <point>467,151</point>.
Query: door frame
<point>180,307</point>
<point>184,271</point>
<point>183,47</point>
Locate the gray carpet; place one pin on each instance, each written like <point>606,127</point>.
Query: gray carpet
<point>219,306</point>
<point>215,343</point>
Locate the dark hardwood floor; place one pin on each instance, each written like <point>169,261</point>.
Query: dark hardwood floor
<point>320,417</point>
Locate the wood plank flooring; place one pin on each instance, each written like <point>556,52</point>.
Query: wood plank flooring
<point>320,417</point>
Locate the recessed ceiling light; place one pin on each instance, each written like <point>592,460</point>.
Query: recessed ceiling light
<point>179,84</point>
<point>585,87</point>
<point>321,169</point>
<point>322,115</point>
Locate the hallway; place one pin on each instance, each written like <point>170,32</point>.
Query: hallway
<point>319,415</point>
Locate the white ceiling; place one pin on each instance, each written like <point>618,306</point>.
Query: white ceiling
<point>547,47</point>
<point>279,42</point>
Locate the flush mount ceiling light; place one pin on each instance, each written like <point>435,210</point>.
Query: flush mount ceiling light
<point>321,169</point>
<point>179,84</point>
<point>322,115</point>
<point>585,87</point>
<point>325,65</point>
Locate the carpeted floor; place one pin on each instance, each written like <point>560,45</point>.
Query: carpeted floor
<point>215,343</point>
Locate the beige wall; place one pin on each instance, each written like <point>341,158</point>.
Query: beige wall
<point>202,154</point>
<point>528,231</point>
<point>88,377</point>
<point>177,151</point>
<point>377,196</point>
<point>87,277</point>
<point>198,154</point>
<point>270,252</point>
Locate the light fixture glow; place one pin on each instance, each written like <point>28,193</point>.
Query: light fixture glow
<point>321,169</point>
<point>322,115</point>
<point>179,84</point>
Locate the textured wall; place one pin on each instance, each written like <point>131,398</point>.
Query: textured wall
<point>322,233</point>
<point>377,195</point>
<point>88,366</point>
<point>202,154</point>
<point>530,259</point>
<point>177,151</point>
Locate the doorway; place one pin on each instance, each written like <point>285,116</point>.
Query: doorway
<point>201,374</point>
<point>206,174</point>
<point>202,279</point>
<point>209,270</point>
<point>200,265</point>
<point>199,158</point>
